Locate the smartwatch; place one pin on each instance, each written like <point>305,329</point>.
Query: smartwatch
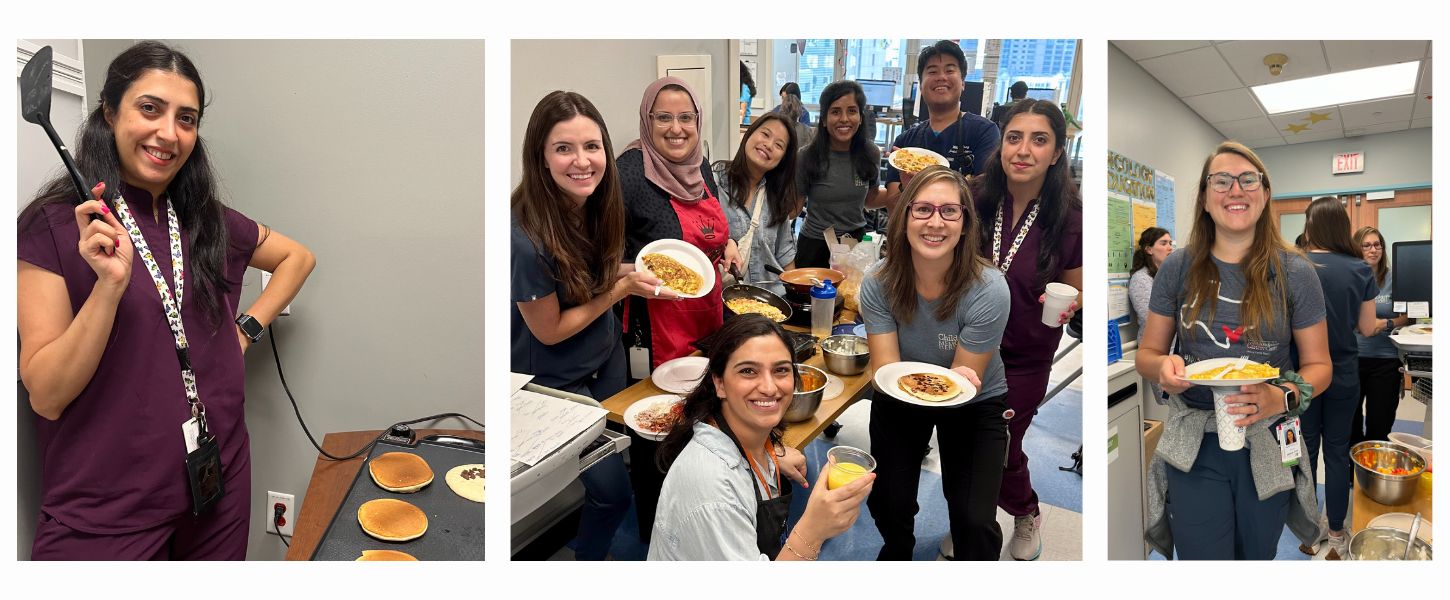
<point>250,328</point>
<point>1291,399</point>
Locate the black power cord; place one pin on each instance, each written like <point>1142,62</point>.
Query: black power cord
<point>271,333</point>
<point>277,522</point>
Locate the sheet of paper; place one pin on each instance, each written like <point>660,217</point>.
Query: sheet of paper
<point>1418,310</point>
<point>1118,307</point>
<point>1399,307</point>
<point>517,381</point>
<point>539,424</point>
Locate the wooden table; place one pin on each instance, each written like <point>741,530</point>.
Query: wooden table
<point>1366,509</point>
<point>331,480</point>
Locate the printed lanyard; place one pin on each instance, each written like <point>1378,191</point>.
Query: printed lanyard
<point>760,475</point>
<point>1004,264</point>
<point>172,306</point>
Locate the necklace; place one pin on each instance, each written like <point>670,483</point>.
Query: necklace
<point>1004,264</point>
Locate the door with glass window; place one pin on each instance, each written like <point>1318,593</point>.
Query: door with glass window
<point>1404,216</point>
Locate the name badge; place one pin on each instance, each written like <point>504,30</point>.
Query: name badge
<point>1290,441</point>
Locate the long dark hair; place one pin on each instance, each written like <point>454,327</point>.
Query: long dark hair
<point>780,186</point>
<point>703,404</point>
<point>865,156</point>
<point>745,78</point>
<point>1059,197</point>
<point>1382,266</point>
<point>587,265</point>
<point>1142,258</point>
<point>1265,258</point>
<point>1326,225</point>
<point>898,275</point>
<point>193,191</point>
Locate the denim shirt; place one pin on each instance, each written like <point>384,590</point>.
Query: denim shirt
<point>707,504</point>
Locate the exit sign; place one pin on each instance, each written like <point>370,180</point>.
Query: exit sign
<point>1349,162</point>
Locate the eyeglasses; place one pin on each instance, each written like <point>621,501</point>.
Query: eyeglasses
<point>1223,182</point>
<point>663,119</point>
<point>923,211</point>
<point>1372,246</point>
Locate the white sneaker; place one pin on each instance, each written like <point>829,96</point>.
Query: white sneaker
<point>1026,537</point>
<point>1338,546</point>
<point>1313,550</point>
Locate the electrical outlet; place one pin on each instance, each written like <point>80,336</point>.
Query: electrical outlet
<point>289,514</point>
<point>266,279</point>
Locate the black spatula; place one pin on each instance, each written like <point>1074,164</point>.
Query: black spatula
<point>35,107</point>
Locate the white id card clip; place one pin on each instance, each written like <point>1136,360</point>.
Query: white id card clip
<point>638,362</point>
<point>1290,441</point>
<point>191,429</point>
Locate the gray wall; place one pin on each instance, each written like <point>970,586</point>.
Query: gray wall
<point>371,154</point>
<point>613,74</point>
<point>1395,160</point>
<point>1147,123</point>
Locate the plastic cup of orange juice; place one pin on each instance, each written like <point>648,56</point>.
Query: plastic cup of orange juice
<point>846,464</point>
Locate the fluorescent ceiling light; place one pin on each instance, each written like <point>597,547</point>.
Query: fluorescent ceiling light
<point>1339,88</point>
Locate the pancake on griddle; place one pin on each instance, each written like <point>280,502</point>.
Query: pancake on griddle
<point>466,481</point>
<point>385,555</point>
<point>400,472</point>
<point>392,520</point>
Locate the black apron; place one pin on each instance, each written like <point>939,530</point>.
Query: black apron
<point>770,515</point>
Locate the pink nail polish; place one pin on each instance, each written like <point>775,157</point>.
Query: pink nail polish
<point>107,211</point>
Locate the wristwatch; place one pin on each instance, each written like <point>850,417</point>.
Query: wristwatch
<point>1291,399</point>
<point>250,327</point>
<point>1389,324</point>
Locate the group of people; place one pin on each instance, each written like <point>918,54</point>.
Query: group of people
<point>123,357</point>
<point>1319,312</point>
<point>966,266</point>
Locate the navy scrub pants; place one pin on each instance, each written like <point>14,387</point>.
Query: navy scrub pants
<point>1215,512</point>
<point>1327,423</point>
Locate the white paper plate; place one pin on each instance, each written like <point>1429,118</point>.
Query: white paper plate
<point>941,160</point>
<point>834,387</point>
<point>639,406</point>
<point>1214,363</point>
<point>687,254</point>
<point>1420,329</point>
<point>681,375</point>
<point>886,377</point>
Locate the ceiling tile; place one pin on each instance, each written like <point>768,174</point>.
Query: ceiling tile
<point>1312,118</point>
<point>1141,49</point>
<point>1192,73</point>
<point>1306,59</point>
<point>1419,124</point>
<point>1231,105</point>
<point>1425,72</point>
<point>1380,128</point>
<point>1348,55</point>
<point>1264,143</point>
<point>1247,129</point>
<point>1314,136</point>
<point>1365,114</point>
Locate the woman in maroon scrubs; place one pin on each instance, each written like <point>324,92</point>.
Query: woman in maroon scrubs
<point>1031,219</point>
<point>99,350</point>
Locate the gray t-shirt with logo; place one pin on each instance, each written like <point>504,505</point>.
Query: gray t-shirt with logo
<point>980,318</point>
<point>1225,336</point>
<point>837,200</point>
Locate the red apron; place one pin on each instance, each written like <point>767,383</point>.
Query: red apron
<point>675,324</point>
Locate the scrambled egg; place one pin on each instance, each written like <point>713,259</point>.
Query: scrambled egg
<point>911,162</point>
<point>751,306</point>
<point>674,275</point>
<point>1250,371</point>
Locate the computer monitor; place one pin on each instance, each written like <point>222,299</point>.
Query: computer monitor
<point>1048,94</point>
<point>972,97</point>
<point>1411,267</point>
<point>880,93</point>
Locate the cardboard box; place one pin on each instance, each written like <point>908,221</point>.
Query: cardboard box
<point>1152,431</point>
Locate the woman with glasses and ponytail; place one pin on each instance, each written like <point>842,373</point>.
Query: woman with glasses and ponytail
<point>1237,290</point>
<point>935,300</point>
<point>1380,380</point>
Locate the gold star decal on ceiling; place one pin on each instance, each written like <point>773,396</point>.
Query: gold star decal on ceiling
<point>1315,117</point>
<point>1295,129</point>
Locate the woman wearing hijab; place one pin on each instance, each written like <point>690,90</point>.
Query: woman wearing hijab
<point>670,193</point>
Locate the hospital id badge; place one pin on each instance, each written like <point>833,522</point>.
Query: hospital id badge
<point>1290,441</point>
<point>204,472</point>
